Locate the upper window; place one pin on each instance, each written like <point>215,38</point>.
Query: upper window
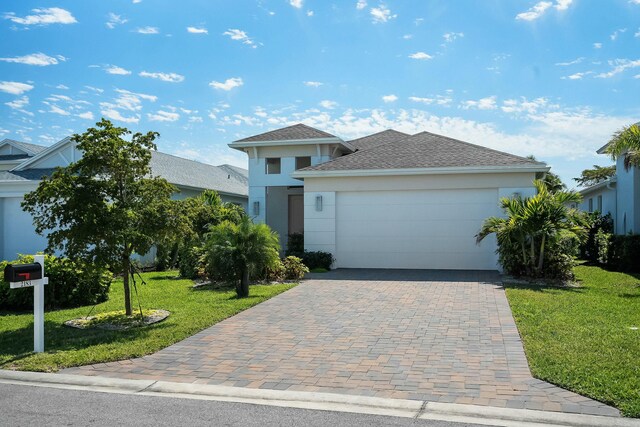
<point>272,166</point>
<point>590,205</point>
<point>302,162</point>
<point>600,204</point>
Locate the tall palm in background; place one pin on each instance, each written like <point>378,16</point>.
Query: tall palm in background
<point>626,142</point>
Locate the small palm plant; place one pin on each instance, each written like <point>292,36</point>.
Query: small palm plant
<point>532,225</point>
<point>236,251</point>
<point>626,142</point>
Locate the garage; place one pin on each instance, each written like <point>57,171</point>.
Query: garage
<point>423,229</point>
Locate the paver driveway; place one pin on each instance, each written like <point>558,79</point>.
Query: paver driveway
<point>445,336</point>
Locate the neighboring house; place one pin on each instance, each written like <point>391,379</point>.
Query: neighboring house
<point>388,200</point>
<point>618,196</point>
<point>29,163</point>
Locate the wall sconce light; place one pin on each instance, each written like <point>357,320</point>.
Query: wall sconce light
<point>256,208</point>
<point>319,203</point>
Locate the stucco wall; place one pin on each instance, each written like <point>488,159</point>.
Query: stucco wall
<point>18,235</point>
<point>628,199</point>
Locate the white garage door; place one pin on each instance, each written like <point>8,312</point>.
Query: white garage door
<point>430,229</point>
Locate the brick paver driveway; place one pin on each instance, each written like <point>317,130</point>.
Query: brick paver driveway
<point>445,336</point>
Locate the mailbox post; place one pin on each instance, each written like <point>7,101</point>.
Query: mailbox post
<point>27,275</point>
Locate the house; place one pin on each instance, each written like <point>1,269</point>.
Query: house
<point>22,166</point>
<point>387,200</point>
<point>618,196</point>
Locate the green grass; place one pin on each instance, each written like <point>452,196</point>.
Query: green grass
<point>191,311</point>
<point>581,338</point>
<point>319,270</point>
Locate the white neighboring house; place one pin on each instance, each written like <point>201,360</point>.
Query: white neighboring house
<point>387,200</point>
<point>618,195</point>
<point>29,163</point>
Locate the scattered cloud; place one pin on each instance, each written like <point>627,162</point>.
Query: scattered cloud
<point>115,20</point>
<point>577,76</point>
<point>390,98</point>
<point>148,30</point>
<point>597,45</point>
<point>114,69</point>
<point>381,14</point>
<point>451,37</point>
<point>57,110</point>
<point>38,59</point>
<point>197,30</point>
<point>488,103</point>
<point>86,115</point>
<point>241,36</point>
<point>47,16</point>
<point>165,77</point>
<point>523,105</point>
<point>616,33</point>
<point>296,3</point>
<point>19,103</point>
<point>228,84</point>
<point>563,4</point>
<point>309,12</point>
<point>535,12</point>
<point>127,101</point>
<point>420,55</point>
<point>407,36</point>
<point>361,4</point>
<point>62,87</point>
<point>619,66</point>
<point>95,89</point>
<point>329,105</point>
<point>163,116</point>
<point>566,64</point>
<point>313,84</point>
<point>15,88</point>
<point>437,100</point>
<point>112,114</point>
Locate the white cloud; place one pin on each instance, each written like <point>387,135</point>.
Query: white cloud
<point>407,36</point>
<point>637,34</point>
<point>563,4</point>
<point>15,88</point>
<point>195,119</point>
<point>115,20</point>
<point>523,105</point>
<point>577,76</point>
<point>566,64</point>
<point>95,89</point>
<point>619,66</point>
<point>52,15</point>
<point>163,116</point>
<point>361,4</point>
<point>597,45</point>
<point>114,69</point>
<point>535,12</point>
<point>313,84</point>
<point>438,100</point>
<point>38,59</point>
<point>115,115</point>
<point>420,55</point>
<point>57,110</point>
<point>236,34</point>
<point>488,103</point>
<point>62,87</point>
<point>228,84</point>
<point>390,98</point>
<point>296,3</point>
<point>451,37</point>
<point>165,77</point>
<point>126,100</point>
<point>309,12</point>
<point>330,105</point>
<point>616,33</point>
<point>87,115</point>
<point>148,30</point>
<point>197,30</point>
<point>19,103</point>
<point>381,14</point>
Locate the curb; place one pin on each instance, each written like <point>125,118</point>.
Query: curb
<point>486,415</point>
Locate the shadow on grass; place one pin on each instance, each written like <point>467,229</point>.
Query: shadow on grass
<point>165,277</point>
<point>544,288</point>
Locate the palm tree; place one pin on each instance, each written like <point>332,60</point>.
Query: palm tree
<point>238,250</point>
<point>626,142</point>
<point>531,224</point>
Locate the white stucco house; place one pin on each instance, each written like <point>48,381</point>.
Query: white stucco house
<point>618,196</point>
<point>22,166</point>
<point>387,200</point>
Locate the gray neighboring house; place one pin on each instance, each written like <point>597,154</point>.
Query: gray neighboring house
<point>22,166</point>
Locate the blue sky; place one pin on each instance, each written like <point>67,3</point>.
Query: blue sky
<point>551,78</point>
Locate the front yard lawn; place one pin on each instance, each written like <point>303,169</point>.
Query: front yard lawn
<point>586,339</point>
<point>191,311</point>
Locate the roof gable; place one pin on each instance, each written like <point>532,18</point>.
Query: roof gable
<point>291,133</point>
<point>370,141</point>
<point>10,147</point>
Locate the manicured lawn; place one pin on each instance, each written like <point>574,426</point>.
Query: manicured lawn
<point>191,311</point>
<point>582,339</point>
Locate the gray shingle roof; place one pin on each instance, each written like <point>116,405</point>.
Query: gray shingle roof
<point>423,150</point>
<point>14,156</point>
<point>25,175</point>
<point>240,173</point>
<point>290,133</point>
<point>376,139</point>
<point>32,148</point>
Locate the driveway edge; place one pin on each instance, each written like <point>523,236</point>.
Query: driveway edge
<point>317,401</point>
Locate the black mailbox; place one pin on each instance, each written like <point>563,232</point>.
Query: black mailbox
<point>22,272</point>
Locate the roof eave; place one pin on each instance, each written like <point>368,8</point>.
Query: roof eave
<point>599,185</point>
<point>419,171</point>
<point>290,142</point>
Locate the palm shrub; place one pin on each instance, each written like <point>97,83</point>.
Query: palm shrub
<point>538,236</point>
<point>238,251</point>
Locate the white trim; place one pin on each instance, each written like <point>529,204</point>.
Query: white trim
<point>418,171</point>
<point>599,185</point>
<point>44,153</point>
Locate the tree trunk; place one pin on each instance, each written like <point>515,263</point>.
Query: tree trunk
<point>532,266</point>
<point>244,284</point>
<point>541,260</point>
<point>126,267</point>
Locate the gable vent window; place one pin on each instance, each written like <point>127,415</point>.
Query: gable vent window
<point>272,166</point>
<point>303,162</point>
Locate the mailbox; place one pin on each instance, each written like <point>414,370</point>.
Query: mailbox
<point>22,272</point>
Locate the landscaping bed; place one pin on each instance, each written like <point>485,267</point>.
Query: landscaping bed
<point>585,339</point>
<point>192,309</point>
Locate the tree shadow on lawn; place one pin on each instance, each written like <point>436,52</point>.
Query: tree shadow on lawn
<point>166,276</point>
<point>18,343</point>
<point>544,288</point>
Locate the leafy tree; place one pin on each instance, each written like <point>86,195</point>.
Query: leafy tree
<point>594,176</point>
<point>236,252</point>
<point>532,226</point>
<point>626,143</point>
<point>106,206</point>
<point>550,179</point>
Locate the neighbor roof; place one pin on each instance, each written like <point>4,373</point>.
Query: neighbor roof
<point>290,133</point>
<point>25,175</point>
<point>424,150</point>
<point>376,139</point>
<point>30,148</point>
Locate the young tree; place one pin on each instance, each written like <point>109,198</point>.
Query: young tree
<point>590,177</point>
<point>107,205</point>
<point>626,142</point>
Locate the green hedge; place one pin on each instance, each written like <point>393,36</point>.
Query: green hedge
<point>624,253</point>
<point>70,285</point>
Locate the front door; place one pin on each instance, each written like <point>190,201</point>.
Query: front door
<point>296,213</point>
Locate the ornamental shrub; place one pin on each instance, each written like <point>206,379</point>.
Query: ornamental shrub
<point>590,248</point>
<point>294,269</point>
<point>624,253</point>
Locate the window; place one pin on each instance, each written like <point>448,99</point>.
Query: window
<point>302,162</point>
<point>272,166</point>
<point>600,204</point>
<point>590,205</point>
